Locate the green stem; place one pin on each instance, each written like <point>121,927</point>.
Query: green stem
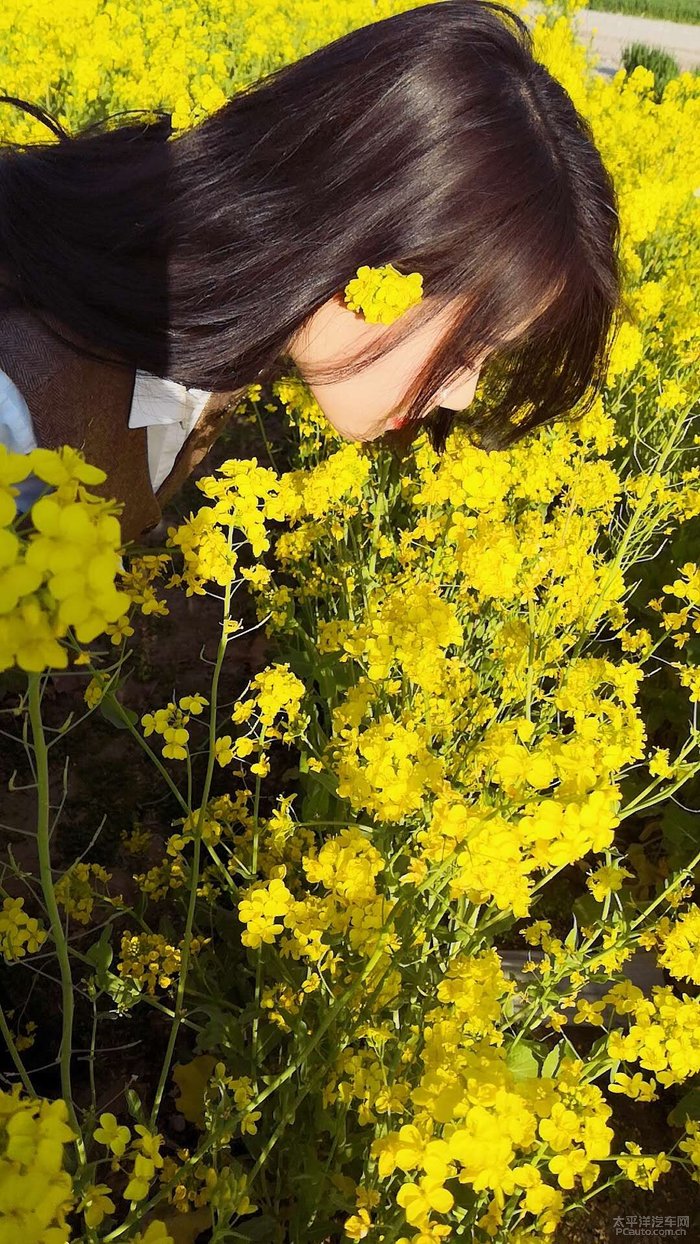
<point>254,869</point>
<point>110,698</point>
<point>263,433</point>
<point>685,874</point>
<point>91,1056</point>
<point>525,1017</point>
<point>47,886</point>
<point>643,799</point>
<point>196,860</point>
<point>15,1054</point>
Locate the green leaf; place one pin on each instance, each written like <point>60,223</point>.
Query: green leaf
<point>100,955</point>
<point>262,1228</point>
<point>551,1062</point>
<point>124,992</point>
<point>522,1062</point>
<point>687,1108</point>
<point>316,804</point>
<point>586,910</point>
<point>599,1048</point>
<point>135,1107</point>
<point>186,1228</point>
<point>679,832</point>
<point>112,714</point>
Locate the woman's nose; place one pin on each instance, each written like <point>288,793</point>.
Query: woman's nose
<point>456,396</point>
<point>460,395</point>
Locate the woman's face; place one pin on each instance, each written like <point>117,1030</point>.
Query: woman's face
<point>359,407</point>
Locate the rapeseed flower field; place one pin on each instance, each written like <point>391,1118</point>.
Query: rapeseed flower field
<point>466,653</point>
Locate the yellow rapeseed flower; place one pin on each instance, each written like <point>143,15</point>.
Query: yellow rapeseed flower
<point>383,294</point>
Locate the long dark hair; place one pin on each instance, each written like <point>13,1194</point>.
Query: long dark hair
<point>431,139</point>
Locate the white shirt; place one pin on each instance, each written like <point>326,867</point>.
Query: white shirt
<point>168,410</point>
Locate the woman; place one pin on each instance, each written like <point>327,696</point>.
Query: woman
<point>430,139</point>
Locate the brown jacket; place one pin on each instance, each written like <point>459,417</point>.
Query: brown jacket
<point>79,401</point>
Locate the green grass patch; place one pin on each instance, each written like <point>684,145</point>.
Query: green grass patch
<point>662,65</point>
<point>670,10</point>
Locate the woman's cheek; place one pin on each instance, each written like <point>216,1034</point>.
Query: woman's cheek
<point>356,408</point>
<point>359,406</point>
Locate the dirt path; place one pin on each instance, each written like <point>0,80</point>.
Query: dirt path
<point>610,33</point>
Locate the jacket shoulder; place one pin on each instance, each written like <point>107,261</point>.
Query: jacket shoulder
<point>66,390</point>
<point>84,402</point>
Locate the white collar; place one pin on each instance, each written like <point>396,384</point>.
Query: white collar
<point>157,400</point>
<point>170,412</point>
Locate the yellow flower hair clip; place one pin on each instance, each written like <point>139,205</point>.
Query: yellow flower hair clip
<point>383,294</point>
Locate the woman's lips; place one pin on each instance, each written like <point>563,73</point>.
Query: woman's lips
<point>400,420</point>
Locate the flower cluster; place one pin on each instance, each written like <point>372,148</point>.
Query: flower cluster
<point>663,1037</point>
<point>20,933</point>
<point>139,581</point>
<point>139,1160</point>
<point>260,911</point>
<point>151,962</point>
<point>383,294</point>
<point>76,893</point>
<point>691,1145</point>
<point>37,1193</point>
<point>171,722</point>
<point>59,574</point>
<point>494,1131</point>
<point>681,946</point>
